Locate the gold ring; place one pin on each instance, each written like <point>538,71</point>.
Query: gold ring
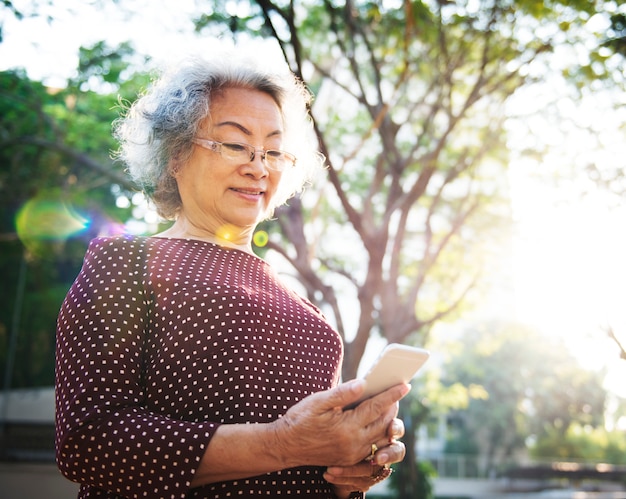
<point>374,448</point>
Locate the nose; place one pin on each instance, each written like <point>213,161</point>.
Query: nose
<point>257,163</point>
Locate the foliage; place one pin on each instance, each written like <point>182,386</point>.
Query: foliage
<point>582,443</point>
<point>423,487</point>
<point>410,109</point>
<point>534,387</point>
<point>617,39</point>
<point>58,189</point>
<point>429,399</point>
<point>612,178</point>
<point>409,113</point>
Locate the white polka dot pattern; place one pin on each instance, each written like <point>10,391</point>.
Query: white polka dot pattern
<point>159,341</point>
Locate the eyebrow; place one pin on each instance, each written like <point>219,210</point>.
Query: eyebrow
<point>242,128</point>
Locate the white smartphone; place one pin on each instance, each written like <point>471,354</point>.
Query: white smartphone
<point>396,364</point>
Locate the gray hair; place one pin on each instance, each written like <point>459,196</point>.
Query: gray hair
<point>156,132</point>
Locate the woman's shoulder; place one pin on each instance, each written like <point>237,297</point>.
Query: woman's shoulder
<point>118,243</point>
<point>139,246</point>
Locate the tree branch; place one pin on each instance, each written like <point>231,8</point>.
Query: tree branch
<point>621,347</point>
<point>76,156</point>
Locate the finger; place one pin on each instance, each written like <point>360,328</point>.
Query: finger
<point>379,404</point>
<point>360,477</point>
<point>392,453</point>
<point>377,431</point>
<point>344,394</point>
<point>358,470</point>
<point>373,436</point>
<point>358,483</point>
<point>396,429</point>
<point>357,476</point>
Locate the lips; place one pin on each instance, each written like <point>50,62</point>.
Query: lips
<point>248,192</point>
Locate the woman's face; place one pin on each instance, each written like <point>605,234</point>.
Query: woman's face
<point>217,192</point>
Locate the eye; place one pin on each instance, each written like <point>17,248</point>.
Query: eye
<point>274,154</point>
<point>235,147</point>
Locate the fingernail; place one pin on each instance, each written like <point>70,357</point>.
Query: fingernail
<point>396,428</point>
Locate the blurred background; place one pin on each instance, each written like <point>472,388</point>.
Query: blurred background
<point>473,204</point>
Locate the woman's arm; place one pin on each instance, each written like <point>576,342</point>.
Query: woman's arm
<point>105,435</point>
<point>107,438</point>
<point>314,432</point>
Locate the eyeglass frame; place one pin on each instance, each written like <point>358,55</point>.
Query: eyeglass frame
<point>216,146</point>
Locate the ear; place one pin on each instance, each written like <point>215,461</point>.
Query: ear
<point>174,167</point>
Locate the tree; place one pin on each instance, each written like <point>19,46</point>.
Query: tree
<point>30,280</point>
<point>535,389</point>
<point>616,40</point>
<point>583,444</point>
<point>411,80</point>
<point>410,113</point>
<point>58,189</point>
<point>410,116</point>
<point>430,399</point>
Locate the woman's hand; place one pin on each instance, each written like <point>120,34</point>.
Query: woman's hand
<point>364,475</point>
<point>319,432</point>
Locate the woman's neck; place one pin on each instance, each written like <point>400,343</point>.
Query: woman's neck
<point>226,235</point>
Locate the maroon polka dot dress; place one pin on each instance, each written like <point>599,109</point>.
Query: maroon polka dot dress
<point>159,341</point>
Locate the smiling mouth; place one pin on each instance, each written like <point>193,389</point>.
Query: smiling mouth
<point>248,191</point>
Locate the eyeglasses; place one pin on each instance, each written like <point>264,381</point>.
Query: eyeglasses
<point>238,152</point>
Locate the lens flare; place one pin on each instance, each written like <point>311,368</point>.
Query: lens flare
<point>261,238</point>
<point>48,219</point>
<point>226,233</point>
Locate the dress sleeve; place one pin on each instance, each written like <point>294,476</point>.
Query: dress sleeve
<point>105,437</point>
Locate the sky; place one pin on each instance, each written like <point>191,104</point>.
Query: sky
<point>568,259</point>
<point>570,237</point>
<point>49,50</point>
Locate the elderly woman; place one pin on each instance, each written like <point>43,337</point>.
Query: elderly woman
<point>185,367</point>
